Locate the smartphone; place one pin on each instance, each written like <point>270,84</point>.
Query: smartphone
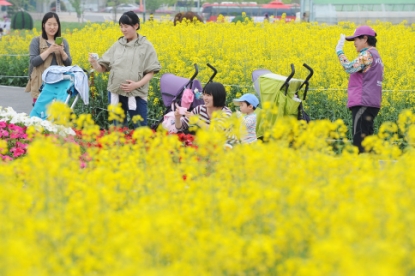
<point>59,40</point>
<point>182,110</point>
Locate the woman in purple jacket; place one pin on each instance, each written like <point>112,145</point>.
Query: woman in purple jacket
<point>365,83</point>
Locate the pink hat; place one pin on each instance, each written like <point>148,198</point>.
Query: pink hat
<point>362,30</point>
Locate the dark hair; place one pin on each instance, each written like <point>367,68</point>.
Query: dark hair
<point>129,18</point>
<point>46,17</point>
<point>248,104</point>
<point>371,40</point>
<point>218,92</point>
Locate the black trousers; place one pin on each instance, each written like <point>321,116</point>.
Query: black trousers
<point>363,123</point>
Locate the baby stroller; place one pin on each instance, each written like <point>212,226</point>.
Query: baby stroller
<point>185,92</point>
<point>60,83</point>
<point>284,92</point>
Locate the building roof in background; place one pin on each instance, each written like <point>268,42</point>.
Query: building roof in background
<point>362,2</point>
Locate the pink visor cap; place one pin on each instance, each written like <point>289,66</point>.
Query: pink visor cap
<point>362,30</point>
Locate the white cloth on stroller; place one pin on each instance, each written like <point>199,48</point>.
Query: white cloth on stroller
<point>132,104</point>
<point>169,122</point>
<point>54,74</point>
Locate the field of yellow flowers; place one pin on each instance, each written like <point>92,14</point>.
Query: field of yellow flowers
<point>303,203</point>
<point>238,49</point>
<point>154,207</point>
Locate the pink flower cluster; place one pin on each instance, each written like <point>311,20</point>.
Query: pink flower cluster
<point>16,139</point>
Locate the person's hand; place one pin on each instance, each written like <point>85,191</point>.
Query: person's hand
<point>188,114</point>
<point>177,111</point>
<point>92,60</point>
<point>55,48</point>
<point>340,43</point>
<point>128,86</point>
<point>62,49</point>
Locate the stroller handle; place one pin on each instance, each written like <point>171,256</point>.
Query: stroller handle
<point>214,71</point>
<point>190,83</point>
<point>286,83</point>
<point>306,80</point>
<point>213,75</point>
<point>311,72</point>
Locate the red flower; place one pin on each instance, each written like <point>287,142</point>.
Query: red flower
<point>21,145</point>
<point>186,139</point>
<point>17,151</point>
<point>4,133</point>
<point>6,158</point>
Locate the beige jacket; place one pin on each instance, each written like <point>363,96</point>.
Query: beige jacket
<point>35,80</point>
<point>130,61</point>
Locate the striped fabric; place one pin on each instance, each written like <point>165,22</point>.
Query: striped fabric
<point>201,110</point>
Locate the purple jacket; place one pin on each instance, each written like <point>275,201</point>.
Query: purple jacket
<point>365,88</point>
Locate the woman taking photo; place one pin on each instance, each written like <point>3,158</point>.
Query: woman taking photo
<point>44,52</point>
<point>132,62</point>
<point>364,93</point>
